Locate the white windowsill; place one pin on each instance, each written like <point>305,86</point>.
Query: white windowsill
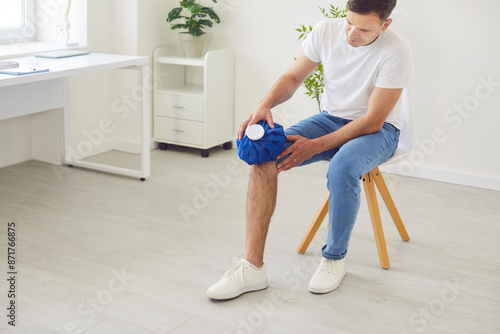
<point>16,50</point>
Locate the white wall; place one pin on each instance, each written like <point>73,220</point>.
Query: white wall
<point>455,50</point>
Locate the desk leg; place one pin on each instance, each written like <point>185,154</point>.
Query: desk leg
<point>72,159</point>
<point>145,154</point>
<point>67,124</point>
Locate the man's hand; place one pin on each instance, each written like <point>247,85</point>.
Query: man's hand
<point>258,115</point>
<point>301,150</point>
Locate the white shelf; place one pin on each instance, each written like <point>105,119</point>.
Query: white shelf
<point>185,90</point>
<point>193,100</point>
<point>181,61</point>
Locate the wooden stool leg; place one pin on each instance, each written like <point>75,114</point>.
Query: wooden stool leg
<point>389,203</point>
<point>371,198</point>
<point>314,226</point>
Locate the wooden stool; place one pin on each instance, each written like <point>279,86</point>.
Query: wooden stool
<point>370,179</point>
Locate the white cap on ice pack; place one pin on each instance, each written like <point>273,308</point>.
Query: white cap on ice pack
<point>255,132</point>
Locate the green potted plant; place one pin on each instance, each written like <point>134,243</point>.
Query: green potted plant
<point>315,84</point>
<point>194,18</point>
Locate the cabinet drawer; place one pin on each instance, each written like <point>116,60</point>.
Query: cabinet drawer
<point>178,106</point>
<point>178,130</point>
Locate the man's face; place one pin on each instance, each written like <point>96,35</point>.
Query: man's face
<point>364,29</point>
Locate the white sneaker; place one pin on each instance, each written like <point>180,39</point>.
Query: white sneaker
<point>328,276</point>
<point>244,277</point>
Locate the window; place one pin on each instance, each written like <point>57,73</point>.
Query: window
<point>17,21</point>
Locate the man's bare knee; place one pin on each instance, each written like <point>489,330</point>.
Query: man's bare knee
<point>265,170</point>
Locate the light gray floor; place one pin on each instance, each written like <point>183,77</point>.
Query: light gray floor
<point>99,253</point>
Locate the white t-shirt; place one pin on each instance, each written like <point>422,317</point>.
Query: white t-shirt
<point>351,73</point>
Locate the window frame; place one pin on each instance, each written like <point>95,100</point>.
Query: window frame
<point>27,33</point>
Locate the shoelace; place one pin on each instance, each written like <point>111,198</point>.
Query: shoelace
<point>228,275</point>
<point>327,265</point>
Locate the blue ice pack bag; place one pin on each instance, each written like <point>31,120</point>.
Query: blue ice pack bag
<point>261,143</point>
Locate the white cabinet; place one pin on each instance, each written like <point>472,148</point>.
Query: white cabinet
<point>193,99</point>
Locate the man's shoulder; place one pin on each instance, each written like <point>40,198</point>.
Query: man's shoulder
<point>395,40</point>
<point>329,28</point>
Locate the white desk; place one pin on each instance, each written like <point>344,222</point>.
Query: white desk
<point>33,93</point>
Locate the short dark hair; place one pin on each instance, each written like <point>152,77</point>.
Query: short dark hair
<point>382,8</point>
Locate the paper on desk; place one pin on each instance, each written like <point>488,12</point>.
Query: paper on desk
<point>24,70</point>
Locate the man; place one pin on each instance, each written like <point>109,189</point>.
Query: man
<point>366,67</point>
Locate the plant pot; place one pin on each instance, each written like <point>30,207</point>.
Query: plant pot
<point>192,45</point>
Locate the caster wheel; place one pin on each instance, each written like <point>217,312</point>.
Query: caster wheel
<point>228,145</point>
<point>143,179</point>
<point>163,146</point>
<point>205,153</point>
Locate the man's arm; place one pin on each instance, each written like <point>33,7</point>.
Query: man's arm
<point>280,92</point>
<point>380,105</point>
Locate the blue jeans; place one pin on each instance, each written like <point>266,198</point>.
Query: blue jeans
<point>348,163</point>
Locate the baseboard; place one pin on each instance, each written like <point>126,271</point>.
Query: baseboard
<point>445,175</point>
<point>127,146</point>
<point>133,147</point>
